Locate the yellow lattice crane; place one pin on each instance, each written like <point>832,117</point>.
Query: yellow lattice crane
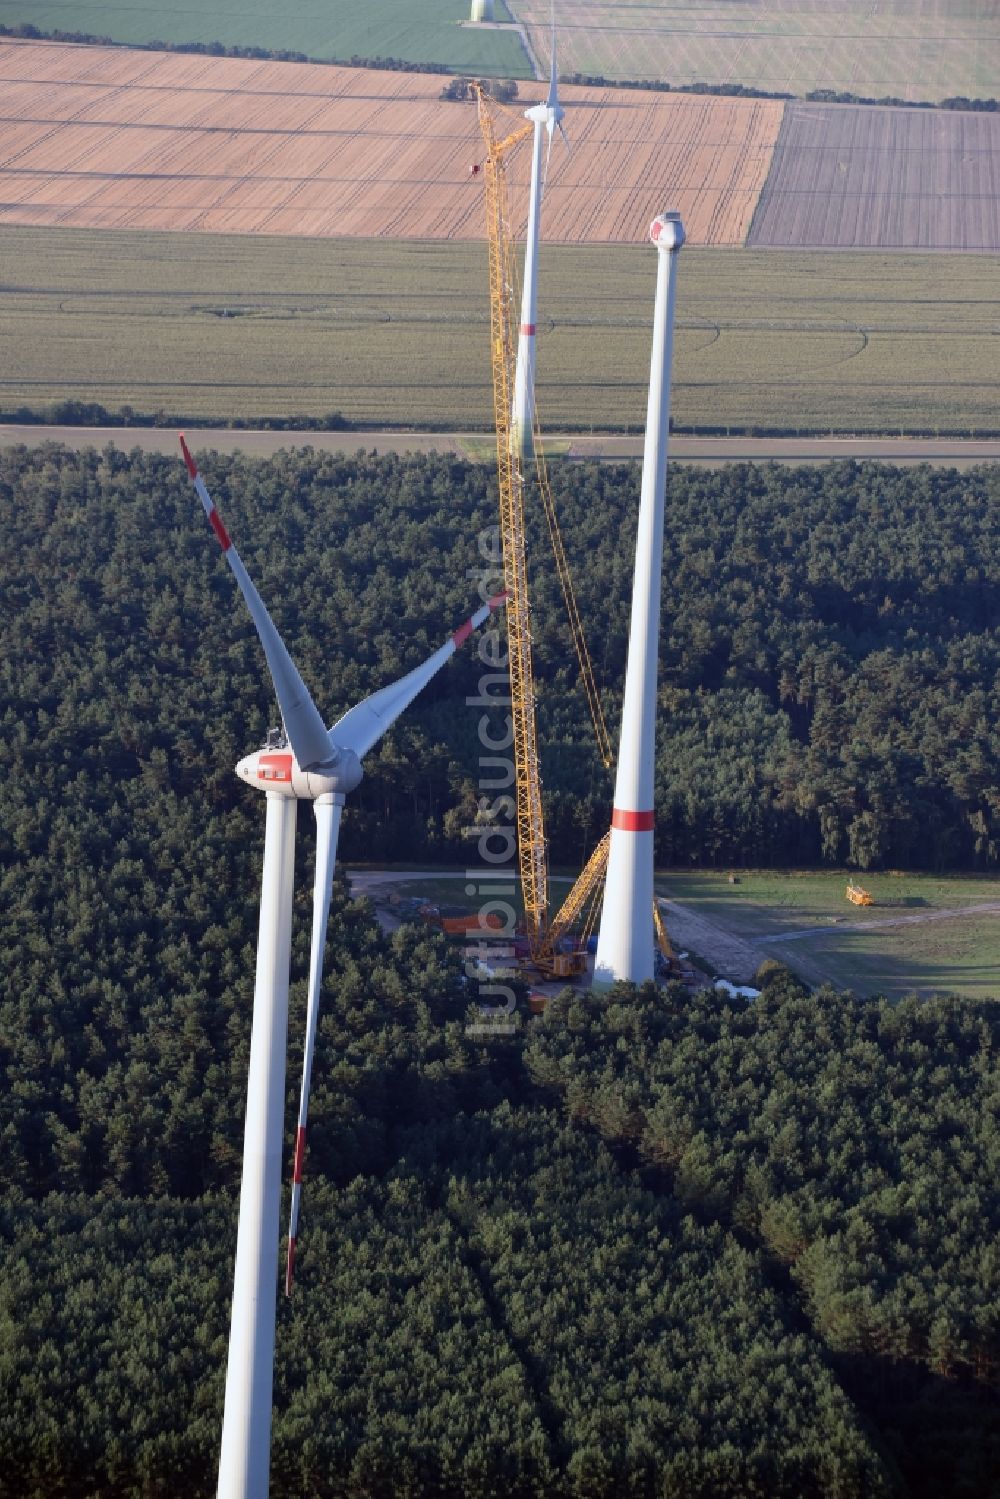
<point>528,789</point>
<point>544,937</point>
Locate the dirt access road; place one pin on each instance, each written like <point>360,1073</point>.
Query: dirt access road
<point>709,451</point>
<point>732,957</point>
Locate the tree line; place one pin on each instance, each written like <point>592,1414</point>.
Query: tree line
<point>829,662</point>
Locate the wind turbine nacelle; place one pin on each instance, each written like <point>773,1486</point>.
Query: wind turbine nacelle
<point>542,113</point>
<point>666,231</point>
<point>278,772</point>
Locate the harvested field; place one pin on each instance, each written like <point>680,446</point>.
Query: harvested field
<point>846,175</point>
<point>337,30</point>
<point>106,138</point>
<point>396,333</point>
<point>904,49</point>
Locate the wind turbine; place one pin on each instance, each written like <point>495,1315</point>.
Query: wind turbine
<point>306,762</point>
<point>550,116</point>
<point>625,942</point>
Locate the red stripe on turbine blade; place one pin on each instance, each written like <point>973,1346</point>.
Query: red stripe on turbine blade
<point>528,328</point>
<point>633,822</point>
<point>215,521</point>
<point>192,467</point>
<point>463,632</point>
<point>300,1153</point>
<point>498,599</point>
<point>289,1267</point>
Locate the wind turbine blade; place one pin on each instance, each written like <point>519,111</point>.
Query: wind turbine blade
<point>327,809</point>
<point>305,728</point>
<point>552,105</point>
<point>565,138</point>
<point>363,725</point>
<point>553,100</point>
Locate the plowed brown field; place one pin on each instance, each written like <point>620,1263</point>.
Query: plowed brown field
<point>853,176</point>
<point>110,138</point>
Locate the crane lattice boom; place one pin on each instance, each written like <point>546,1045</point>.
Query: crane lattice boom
<point>528,788</point>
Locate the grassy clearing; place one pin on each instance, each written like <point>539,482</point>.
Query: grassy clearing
<point>395,333</point>
<point>960,956</point>
<point>429,33</point>
<point>772,901</point>
<point>905,49</point>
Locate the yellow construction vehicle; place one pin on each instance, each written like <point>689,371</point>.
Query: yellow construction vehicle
<point>858,895</point>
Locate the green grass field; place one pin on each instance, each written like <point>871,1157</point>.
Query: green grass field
<point>428,33</point>
<point>395,333</point>
<point>960,956</point>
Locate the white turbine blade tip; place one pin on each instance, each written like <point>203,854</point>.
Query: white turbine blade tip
<point>461,635</point>
<point>192,467</point>
<point>293,1223</point>
<point>208,505</point>
<point>365,723</point>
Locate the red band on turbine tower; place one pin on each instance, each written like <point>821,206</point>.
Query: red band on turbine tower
<point>528,328</point>
<point>633,822</point>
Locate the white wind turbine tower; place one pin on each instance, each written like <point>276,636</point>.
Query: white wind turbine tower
<point>548,115</point>
<point>625,943</point>
<point>308,763</point>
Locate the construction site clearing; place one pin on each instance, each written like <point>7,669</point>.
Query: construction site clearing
<point>923,934</point>
<point>570,963</point>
